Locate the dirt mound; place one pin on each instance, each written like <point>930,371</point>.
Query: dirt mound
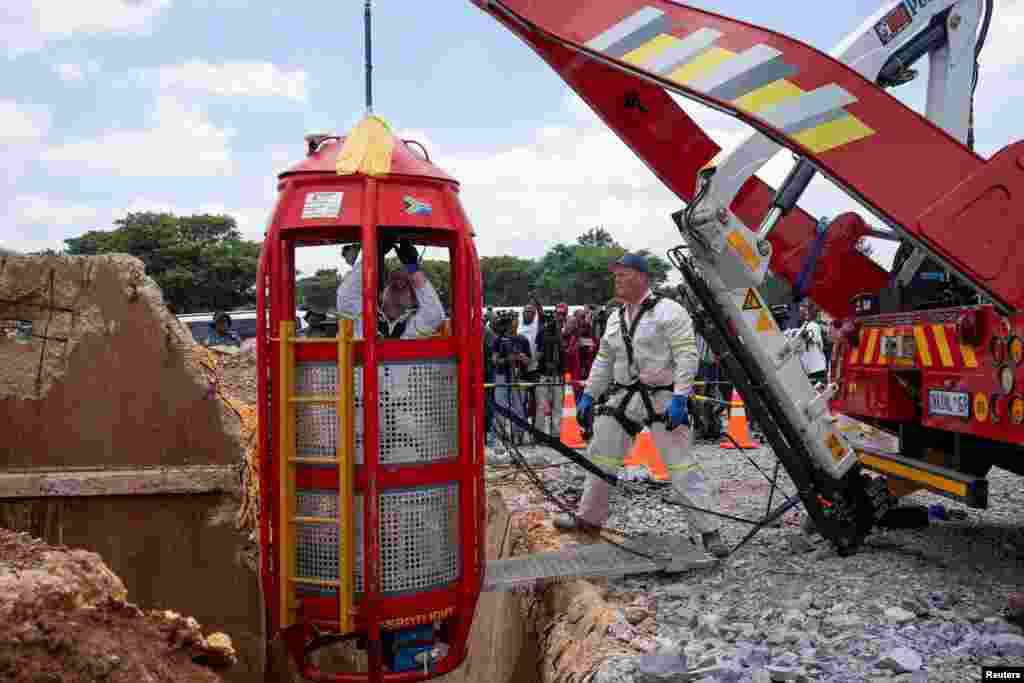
<point>63,618</point>
<point>239,374</point>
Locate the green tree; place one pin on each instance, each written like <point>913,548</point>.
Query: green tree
<point>318,292</point>
<point>596,237</point>
<point>505,280</point>
<point>579,273</point>
<point>200,262</point>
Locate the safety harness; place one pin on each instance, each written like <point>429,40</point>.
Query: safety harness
<point>393,330</point>
<point>636,386</point>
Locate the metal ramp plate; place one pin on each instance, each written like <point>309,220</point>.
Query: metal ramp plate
<point>674,553</point>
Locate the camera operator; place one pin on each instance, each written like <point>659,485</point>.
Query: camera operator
<point>533,331</point>
<point>510,355</point>
<point>551,369</point>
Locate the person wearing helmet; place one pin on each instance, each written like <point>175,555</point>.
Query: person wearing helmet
<point>221,333</point>
<point>644,374</point>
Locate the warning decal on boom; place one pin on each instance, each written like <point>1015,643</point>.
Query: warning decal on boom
<point>751,303</point>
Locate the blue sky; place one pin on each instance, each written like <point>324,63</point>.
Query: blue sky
<point>194,106</point>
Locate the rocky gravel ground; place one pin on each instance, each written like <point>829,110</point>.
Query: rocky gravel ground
<point>925,604</point>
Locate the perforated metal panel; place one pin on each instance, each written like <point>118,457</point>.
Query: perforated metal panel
<point>418,415</point>
<point>316,425</point>
<point>419,538</point>
<point>418,412</point>
<point>316,544</point>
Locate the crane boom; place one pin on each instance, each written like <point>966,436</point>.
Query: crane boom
<point>846,126</point>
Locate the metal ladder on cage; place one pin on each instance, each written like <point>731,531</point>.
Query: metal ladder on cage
<point>344,460</point>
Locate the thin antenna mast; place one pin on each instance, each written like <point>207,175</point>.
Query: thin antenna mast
<point>369,62</point>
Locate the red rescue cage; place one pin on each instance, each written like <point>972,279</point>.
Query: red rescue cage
<point>371,449</point>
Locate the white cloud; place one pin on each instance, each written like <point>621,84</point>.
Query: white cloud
<point>1002,46</point>
<point>249,79</point>
<point>43,210</point>
<point>38,222</point>
<point>523,200</point>
<point>27,26</point>
<point>21,130</point>
<point>252,221</point>
<point>19,124</point>
<point>71,72</point>
<point>182,143</point>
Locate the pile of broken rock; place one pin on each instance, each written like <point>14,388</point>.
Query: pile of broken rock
<point>64,617</point>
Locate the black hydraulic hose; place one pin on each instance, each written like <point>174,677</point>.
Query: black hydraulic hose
<point>985,22</point>
<point>551,442</point>
<point>793,186</point>
<point>982,35</point>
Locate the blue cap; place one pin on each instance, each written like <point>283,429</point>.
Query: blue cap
<point>634,261</point>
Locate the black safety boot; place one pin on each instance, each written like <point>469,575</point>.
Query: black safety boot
<point>713,544</point>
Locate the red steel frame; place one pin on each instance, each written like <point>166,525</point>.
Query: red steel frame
<point>448,226</point>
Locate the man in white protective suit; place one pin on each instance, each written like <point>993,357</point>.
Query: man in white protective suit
<point>410,307</point>
<point>644,373</point>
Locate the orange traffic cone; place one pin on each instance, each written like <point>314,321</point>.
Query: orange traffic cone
<point>644,453</point>
<point>571,435</point>
<point>738,428</point>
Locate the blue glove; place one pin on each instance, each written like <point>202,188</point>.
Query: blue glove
<point>410,268</point>
<point>585,412</point>
<point>678,412</point>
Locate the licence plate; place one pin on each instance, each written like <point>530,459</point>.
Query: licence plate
<point>954,403</point>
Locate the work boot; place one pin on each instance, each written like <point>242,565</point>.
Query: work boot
<point>565,522</point>
<point>713,544</point>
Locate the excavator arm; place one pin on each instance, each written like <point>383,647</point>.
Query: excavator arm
<point>882,50</point>
<point>674,148</point>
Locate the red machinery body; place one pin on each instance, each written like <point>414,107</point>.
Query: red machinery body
<point>958,370</point>
<point>418,514</point>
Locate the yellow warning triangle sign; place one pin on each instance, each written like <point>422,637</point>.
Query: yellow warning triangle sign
<point>750,303</point>
<point>764,322</point>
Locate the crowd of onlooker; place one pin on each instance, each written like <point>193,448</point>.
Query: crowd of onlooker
<point>531,355</point>
<point>543,347</point>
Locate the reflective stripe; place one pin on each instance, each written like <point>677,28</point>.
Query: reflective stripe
<point>922,346</point>
<point>967,353</point>
<point>940,340</point>
<point>870,350</point>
